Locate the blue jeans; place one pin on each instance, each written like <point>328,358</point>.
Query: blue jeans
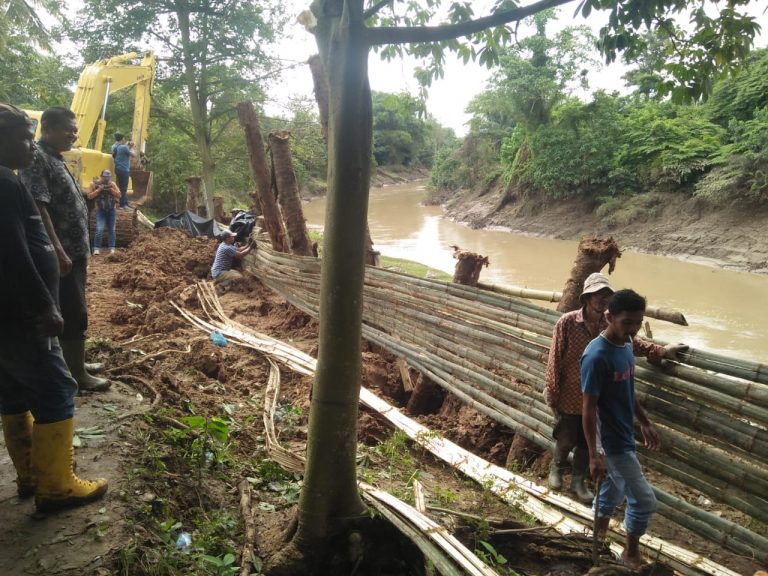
<point>34,378</point>
<point>104,218</point>
<point>122,183</point>
<point>625,479</point>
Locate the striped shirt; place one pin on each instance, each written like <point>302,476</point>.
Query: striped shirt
<point>225,256</point>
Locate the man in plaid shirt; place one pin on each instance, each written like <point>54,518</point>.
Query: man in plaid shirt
<point>573,331</point>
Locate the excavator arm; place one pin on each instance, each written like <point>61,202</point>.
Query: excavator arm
<point>104,77</point>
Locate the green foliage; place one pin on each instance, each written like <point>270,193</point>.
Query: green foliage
<point>574,153</point>
<point>668,143</point>
<point>399,129</point>
<point>740,97</point>
<point>741,170</point>
<point>30,79</point>
<point>448,171</point>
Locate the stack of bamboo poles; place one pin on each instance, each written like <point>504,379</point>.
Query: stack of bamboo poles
<point>490,350</point>
<point>554,510</point>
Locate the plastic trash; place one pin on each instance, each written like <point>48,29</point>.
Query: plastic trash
<point>218,338</point>
<point>184,541</point>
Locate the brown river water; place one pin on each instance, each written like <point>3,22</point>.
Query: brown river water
<point>727,311</point>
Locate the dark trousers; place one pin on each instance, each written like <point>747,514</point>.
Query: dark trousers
<point>74,309</point>
<point>34,377</point>
<point>569,435</point>
<point>122,183</point>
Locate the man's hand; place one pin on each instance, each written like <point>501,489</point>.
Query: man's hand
<point>596,468</point>
<point>651,438</point>
<point>65,264</point>
<point>672,350</point>
<point>49,323</point>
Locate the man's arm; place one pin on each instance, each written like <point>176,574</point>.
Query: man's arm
<point>589,424</point>
<point>92,192</point>
<point>242,252</point>
<point>65,264</point>
<point>28,287</point>
<point>656,353</point>
<point>651,438</point>
<point>554,366</point>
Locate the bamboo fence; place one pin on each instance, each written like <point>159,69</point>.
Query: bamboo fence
<point>555,511</point>
<point>490,350</point>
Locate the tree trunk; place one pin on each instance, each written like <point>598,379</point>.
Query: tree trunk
<point>193,193</point>
<point>218,209</point>
<point>593,255</point>
<point>468,267</point>
<point>261,174</point>
<point>320,81</point>
<point>321,91</point>
<point>288,193</point>
<point>329,497</point>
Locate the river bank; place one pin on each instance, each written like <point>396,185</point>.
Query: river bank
<point>664,224</point>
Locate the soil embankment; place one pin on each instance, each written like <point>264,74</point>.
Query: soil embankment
<point>666,224</point>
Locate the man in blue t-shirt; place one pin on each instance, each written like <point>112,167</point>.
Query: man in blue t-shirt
<point>122,153</point>
<point>608,384</point>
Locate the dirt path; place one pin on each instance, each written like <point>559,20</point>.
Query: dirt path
<point>158,487</point>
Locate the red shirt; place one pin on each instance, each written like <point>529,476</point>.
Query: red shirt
<point>569,339</point>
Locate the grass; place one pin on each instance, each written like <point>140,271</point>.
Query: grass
<point>410,267</point>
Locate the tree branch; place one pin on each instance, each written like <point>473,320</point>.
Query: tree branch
<point>397,35</point>
<point>373,10</point>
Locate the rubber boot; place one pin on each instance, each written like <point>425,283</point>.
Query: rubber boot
<point>580,474</point>
<point>558,466</point>
<point>74,354</point>
<point>17,431</point>
<point>56,484</point>
<point>95,367</point>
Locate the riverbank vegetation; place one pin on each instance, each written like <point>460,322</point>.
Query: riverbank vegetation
<point>535,136</point>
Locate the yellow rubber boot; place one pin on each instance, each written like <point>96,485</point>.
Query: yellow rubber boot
<point>17,431</point>
<point>56,483</point>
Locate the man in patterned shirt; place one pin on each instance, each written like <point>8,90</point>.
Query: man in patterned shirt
<point>573,331</point>
<point>65,216</point>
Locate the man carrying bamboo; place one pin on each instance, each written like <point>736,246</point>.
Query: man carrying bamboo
<point>573,331</point>
<point>608,382</point>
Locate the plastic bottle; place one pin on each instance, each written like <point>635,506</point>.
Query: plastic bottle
<point>184,541</point>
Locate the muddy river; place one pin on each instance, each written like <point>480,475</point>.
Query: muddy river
<point>727,311</point>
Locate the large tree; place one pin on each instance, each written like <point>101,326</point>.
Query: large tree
<point>345,31</point>
<point>211,50</point>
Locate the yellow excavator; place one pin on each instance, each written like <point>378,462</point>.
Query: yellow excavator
<point>97,82</point>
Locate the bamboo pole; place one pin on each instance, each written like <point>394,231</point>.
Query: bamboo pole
<point>666,314</point>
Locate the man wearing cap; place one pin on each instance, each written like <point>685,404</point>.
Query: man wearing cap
<point>105,192</point>
<point>573,331</point>
<point>65,216</point>
<point>226,254</point>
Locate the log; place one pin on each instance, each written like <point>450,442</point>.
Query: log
<point>593,255</point>
<point>288,193</point>
<point>468,266</point>
<point>273,221</point>
<point>218,209</point>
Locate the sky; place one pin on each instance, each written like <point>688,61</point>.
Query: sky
<point>448,97</point>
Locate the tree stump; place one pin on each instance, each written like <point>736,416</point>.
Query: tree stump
<point>427,397</point>
<point>593,255</point>
<point>522,453</point>
<point>273,220</point>
<point>193,193</point>
<point>468,267</point>
<point>288,193</point>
